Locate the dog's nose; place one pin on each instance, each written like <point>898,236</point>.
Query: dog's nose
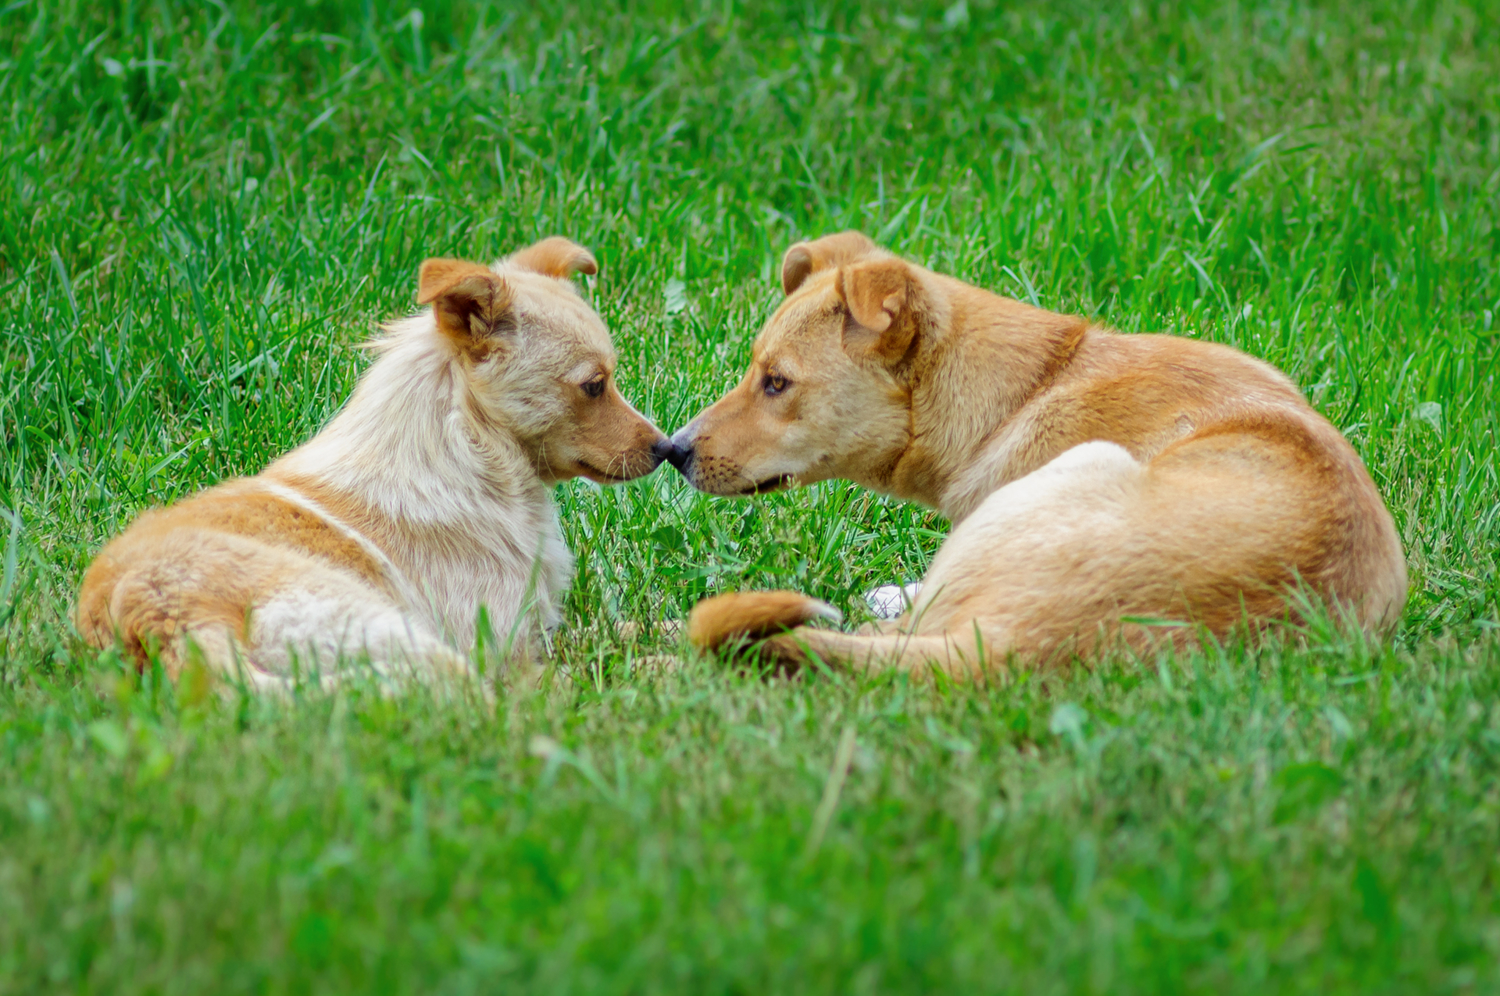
<point>675,453</point>
<point>665,449</point>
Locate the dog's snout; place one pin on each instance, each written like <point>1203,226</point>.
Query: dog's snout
<point>678,456</point>
<point>665,449</point>
<point>685,447</point>
<point>682,443</point>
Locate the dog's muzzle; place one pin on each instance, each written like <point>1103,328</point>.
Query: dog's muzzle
<point>666,449</point>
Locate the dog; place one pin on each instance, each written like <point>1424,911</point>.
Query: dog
<point>1105,490</point>
<point>427,498</point>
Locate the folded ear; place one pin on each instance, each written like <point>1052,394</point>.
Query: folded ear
<point>875,292</point>
<point>806,258</point>
<point>470,302</point>
<point>555,257</point>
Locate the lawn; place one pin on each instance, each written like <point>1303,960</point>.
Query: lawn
<point>207,207</point>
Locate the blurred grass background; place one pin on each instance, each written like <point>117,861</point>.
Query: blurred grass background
<point>207,207</point>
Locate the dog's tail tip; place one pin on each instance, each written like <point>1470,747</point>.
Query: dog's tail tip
<point>753,615</point>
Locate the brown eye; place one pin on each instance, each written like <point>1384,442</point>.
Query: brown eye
<point>774,384</point>
<point>594,388</point>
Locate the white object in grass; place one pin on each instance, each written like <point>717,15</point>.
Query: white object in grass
<point>890,600</point>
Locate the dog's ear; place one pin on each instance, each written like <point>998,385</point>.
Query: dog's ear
<point>555,257</point>
<point>875,292</point>
<point>470,302</point>
<point>806,258</point>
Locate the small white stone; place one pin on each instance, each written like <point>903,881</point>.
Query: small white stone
<point>890,600</point>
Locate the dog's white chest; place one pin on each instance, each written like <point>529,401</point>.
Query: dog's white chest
<point>514,578</point>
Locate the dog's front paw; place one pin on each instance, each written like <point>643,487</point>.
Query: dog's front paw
<point>752,615</point>
<point>759,631</point>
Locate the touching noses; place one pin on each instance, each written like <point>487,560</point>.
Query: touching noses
<point>668,450</point>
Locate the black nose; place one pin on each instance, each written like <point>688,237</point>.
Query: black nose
<point>669,451</point>
<point>665,449</point>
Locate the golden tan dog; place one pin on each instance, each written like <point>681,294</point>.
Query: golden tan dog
<point>426,498</point>
<point>1099,485</point>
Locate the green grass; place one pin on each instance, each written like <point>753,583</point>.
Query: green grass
<point>206,207</point>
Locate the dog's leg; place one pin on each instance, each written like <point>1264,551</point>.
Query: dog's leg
<point>1091,551</point>
<point>338,632</point>
<point>919,655</point>
<point>776,618</point>
<point>1037,565</point>
<point>159,609</point>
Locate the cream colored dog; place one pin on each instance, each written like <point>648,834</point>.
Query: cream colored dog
<point>1103,488</point>
<point>426,498</point>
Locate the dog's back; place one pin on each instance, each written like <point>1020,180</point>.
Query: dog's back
<point>1230,441</point>
<point>196,569</point>
<point>1159,478</point>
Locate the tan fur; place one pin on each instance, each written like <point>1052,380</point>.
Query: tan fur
<point>1104,489</point>
<point>753,616</point>
<point>423,500</point>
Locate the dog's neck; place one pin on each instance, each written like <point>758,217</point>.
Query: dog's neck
<point>988,356</point>
<point>456,506</point>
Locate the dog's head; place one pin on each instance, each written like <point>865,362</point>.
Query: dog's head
<point>538,362</point>
<point>827,393</point>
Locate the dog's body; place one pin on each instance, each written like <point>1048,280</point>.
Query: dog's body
<point>1102,487</point>
<point>426,498</point>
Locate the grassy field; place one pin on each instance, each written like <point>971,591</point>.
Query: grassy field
<point>207,207</point>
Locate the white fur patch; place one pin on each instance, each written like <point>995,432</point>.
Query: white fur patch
<point>471,523</point>
<point>392,573</point>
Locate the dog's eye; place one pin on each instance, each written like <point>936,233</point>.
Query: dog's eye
<point>774,385</point>
<point>594,388</point>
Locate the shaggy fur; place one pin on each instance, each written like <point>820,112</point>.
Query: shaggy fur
<point>1100,485</point>
<point>425,499</point>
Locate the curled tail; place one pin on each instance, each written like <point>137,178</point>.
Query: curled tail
<point>752,615</point>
